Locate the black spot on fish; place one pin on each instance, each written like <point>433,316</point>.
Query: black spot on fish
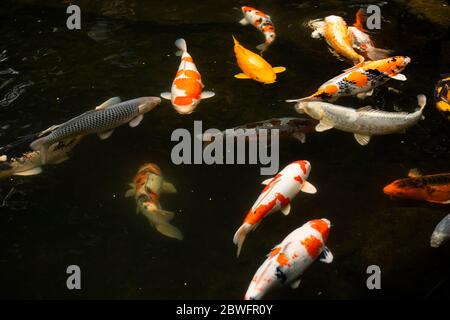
<point>280,275</point>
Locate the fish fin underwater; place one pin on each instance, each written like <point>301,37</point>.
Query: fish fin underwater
<point>309,188</point>
<point>362,139</point>
<point>136,121</point>
<point>326,256</point>
<point>105,135</point>
<point>207,94</point>
<point>166,95</point>
<point>169,231</point>
<point>279,69</point>
<point>168,187</point>
<point>242,76</point>
<point>286,209</point>
<point>378,54</point>
<point>299,136</point>
<point>262,47</point>
<point>109,103</point>
<point>322,126</point>
<point>30,172</point>
<point>296,283</point>
<point>240,235</point>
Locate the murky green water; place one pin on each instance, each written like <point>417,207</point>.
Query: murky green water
<point>75,213</point>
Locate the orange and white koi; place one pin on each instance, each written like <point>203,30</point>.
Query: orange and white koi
<point>361,80</point>
<point>254,66</point>
<point>186,92</point>
<point>146,188</point>
<point>262,22</point>
<point>362,42</point>
<point>287,262</point>
<point>277,195</point>
<point>432,188</point>
<point>442,96</point>
<point>334,30</point>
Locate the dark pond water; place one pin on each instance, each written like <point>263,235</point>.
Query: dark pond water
<point>75,213</point>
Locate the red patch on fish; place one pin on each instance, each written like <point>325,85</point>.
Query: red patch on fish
<point>264,209</point>
<point>282,259</point>
<point>320,226</point>
<point>312,246</point>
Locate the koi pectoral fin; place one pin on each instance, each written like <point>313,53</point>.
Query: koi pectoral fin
<point>309,188</point>
<point>244,22</point>
<point>398,76</point>
<point>279,69</point>
<point>169,231</point>
<point>242,76</point>
<point>362,139</point>
<point>207,94</point>
<point>327,256</point>
<point>30,172</point>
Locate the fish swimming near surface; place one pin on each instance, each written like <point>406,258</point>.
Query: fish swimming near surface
<point>287,262</point>
<point>361,80</point>
<point>442,96</point>
<point>433,188</point>
<point>19,159</point>
<point>441,233</point>
<point>262,22</point>
<point>276,196</point>
<point>335,31</point>
<point>187,87</point>
<point>103,120</point>
<point>254,66</point>
<point>296,128</point>
<point>146,188</point>
<point>362,41</point>
<point>364,122</point>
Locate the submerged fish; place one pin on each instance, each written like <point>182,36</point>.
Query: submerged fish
<point>287,128</point>
<point>147,186</point>
<point>335,31</point>
<point>254,66</point>
<point>442,96</point>
<point>103,120</point>
<point>19,159</point>
<point>186,92</point>
<point>287,262</point>
<point>364,122</point>
<point>432,188</point>
<point>361,80</point>
<point>441,233</point>
<point>362,42</point>
<point>262,22</point>
<point>277,195</point>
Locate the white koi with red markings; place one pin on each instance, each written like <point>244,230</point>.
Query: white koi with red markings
<point>186,91</point>
<point>277,195</point>
<point>286,263</point>
<point>262,22</point>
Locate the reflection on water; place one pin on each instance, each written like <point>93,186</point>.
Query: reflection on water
<point>75,212</point>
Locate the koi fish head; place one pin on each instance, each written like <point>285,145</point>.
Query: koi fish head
<point>405,188</point>
<point>322,226</point>
<point>246,9</point>
<point>154,183</point>
<point>311,108</point>
<point>150,167</point>
<point>148,103</point>
<point>398,63</point>
<point>185,105</point>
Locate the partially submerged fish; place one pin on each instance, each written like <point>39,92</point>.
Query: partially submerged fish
<point>103,120</point>
<point>432,188</point>
<point>276,196</point>
<point>262,22</point>
<point>296,128</point>
<point>364,122</point>
<point>362,42</point>
<point>19,159</point>
<point>361,80</point>
<point>441,233</point>
<point>287,261</point>
<point>335,31</point>
<point>254,66</point>
<point>442,96</point>
<point>186,92</point>
<point>146,188</point>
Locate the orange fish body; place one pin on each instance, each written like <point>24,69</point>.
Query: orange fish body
<point>334,30</point>
<point>254,66</point>
<point>432,188</point>
<point>186,92</point>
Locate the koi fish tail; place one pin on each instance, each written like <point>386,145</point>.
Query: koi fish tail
<point>169,231</point>
<point>421,101</point>
<point>239,236</point>
<point>160,219</point>
<point>181,44</point>
<point>40,145</point>
<point>377,53</point>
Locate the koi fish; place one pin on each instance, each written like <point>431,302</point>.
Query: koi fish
<point>277,195</point>
<point>20,160</point>
<point>334,30</point>
<point>103,120</point>
<point>442,96</point>
<point>432,188</point>
<point>364,122</point>
<point>441,233</point>
<point>262,22</point>
<point>254,66</point>
<point>361,80</point>
<point>287,128</point>
<point>146,188</point>
<point>287,262</point>
<point>362,42</point>
<point>186,92</point>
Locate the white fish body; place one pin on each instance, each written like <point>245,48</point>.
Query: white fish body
<point>441,233</point>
